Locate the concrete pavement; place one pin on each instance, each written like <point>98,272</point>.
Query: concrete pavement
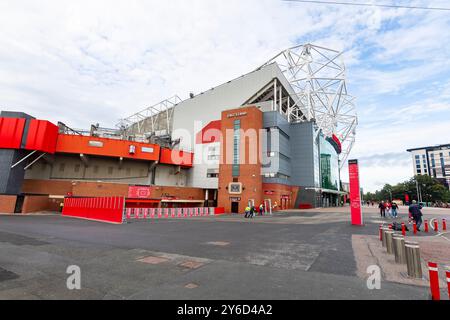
<point>290,255</point>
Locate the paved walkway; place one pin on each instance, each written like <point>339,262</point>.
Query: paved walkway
<point>290,255</point>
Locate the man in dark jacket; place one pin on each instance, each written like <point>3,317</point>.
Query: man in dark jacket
<point>382,209</point>
<point>416,213</point>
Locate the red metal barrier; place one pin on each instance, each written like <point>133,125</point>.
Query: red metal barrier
<point>426,225</point>
<point>434,281</point>
<point>444,225</point>
<point>107,209</point>
<point>403,229</point>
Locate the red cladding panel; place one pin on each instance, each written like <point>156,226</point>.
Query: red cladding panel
<point>107,147</point>
<point>42,136</point>
<point>176,157</point>
<point>210,133</point>
<point>11,131</point>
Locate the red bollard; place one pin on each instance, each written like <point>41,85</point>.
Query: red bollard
<point>444,225</point>
<point>436,226</point>
<point>380,232</point>
<point>447,273</point>
<point>426,225</point>
<point>434,281</point>
<point>403,229</point>
<point>390,226</point>
<point>415,228</point>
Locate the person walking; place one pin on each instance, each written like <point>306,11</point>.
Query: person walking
<point>252,210</point>
<point>261,209</point>
<point>388,208</point>
<point>415,211</point>
<point>382,208</point>
<point>394,209</point>
<point>247,211</point>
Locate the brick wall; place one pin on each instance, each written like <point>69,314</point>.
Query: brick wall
<point>7,203</point>
<point>105,189</point>
<point>249,169</point>
<point>56,187</point>
<point>275,193</point>
<point>35,204</point>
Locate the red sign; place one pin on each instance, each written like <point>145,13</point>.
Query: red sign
<point>269,192</point>
<point>406,197</point>
<point>355,193</point>
<point>139,192</point>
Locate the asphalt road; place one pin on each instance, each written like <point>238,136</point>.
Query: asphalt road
<point>293,255</point>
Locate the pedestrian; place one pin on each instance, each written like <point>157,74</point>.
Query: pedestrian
<point>252,212</point>
<point>382,208</point>
<point>261,209</point>
<point>247,211</point>
<point>416,213</point>
<point>394,209</point>
<point>388,208</point>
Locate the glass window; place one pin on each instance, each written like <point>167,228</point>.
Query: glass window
<point>329,165</point>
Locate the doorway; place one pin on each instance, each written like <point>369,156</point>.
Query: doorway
<point>234,207</point>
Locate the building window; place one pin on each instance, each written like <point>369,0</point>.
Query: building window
<point>418,171</point>
<point>212,175</point>
<point>236,146</point>
<point>417,157</point>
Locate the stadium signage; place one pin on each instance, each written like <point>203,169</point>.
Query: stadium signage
<point>236,114</point>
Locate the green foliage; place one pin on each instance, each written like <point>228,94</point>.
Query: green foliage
<point>432,190</point>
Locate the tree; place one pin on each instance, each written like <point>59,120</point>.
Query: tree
<point>430,189</point>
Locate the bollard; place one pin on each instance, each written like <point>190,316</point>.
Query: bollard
<point>399,249</point>
<point>389,242</point>
<point>434,281</point>
<point>447,275</point>
<point>380,232</point>
<point>426,225</point>
<point>444,225</point>
<point>384,230</point>
<point>436,228</point>
<point>390,226</point>
<point>403,229</point>
<point>413,263</point>
<point>415,228</point>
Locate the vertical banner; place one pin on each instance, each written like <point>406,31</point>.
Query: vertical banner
<point>355,193</point>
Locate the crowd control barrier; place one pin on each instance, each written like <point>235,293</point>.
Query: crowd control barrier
<point>106,209</point>
<point>155,213</point>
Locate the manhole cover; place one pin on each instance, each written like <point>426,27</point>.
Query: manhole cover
<point>191,264</point>
<point>218,243</point>
<point>153,260</point>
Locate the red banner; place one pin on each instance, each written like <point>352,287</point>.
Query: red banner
<point>139,192</point>
<point>355,193</point>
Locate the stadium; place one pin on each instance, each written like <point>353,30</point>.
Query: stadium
<point>278,135</point>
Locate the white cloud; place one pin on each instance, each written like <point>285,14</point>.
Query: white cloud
<point>83,62</point>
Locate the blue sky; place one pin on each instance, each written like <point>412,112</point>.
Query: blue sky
<point>82,62</point>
